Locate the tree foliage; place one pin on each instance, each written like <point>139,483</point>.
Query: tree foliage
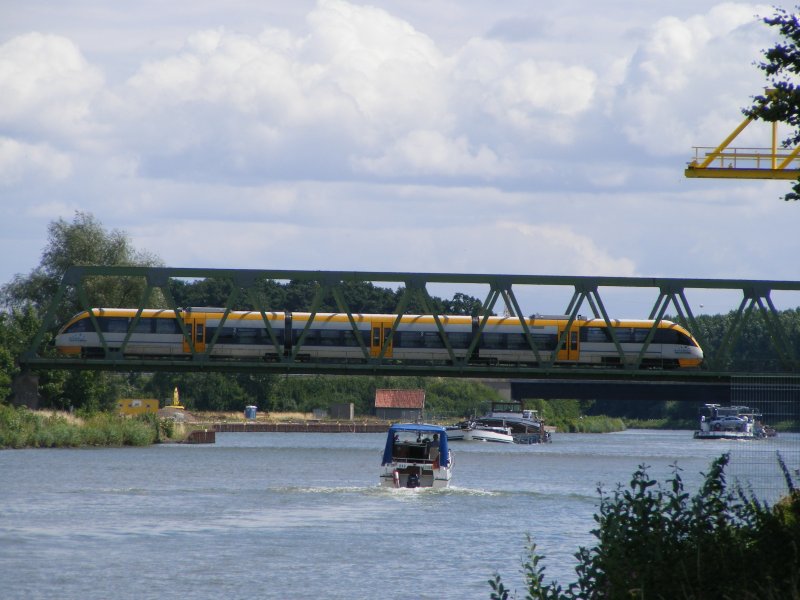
<point>781,65</point>
<point>82,242</point>
<point>299,296</point>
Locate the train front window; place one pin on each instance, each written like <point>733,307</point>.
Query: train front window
<point>79,326</point>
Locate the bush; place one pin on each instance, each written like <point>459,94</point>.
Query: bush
<point>657,542</point>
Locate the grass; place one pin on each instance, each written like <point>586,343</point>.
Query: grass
<point>23,428</point>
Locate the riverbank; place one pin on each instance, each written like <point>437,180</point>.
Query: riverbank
<point>23,428</point>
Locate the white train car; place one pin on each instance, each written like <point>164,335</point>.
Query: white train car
<point>411,339</point>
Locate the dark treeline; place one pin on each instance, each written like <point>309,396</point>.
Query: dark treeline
<point>360,297</point>
<point>84,241</point>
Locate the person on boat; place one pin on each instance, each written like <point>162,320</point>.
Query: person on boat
<point>413,479</point>
<point>433,451</point>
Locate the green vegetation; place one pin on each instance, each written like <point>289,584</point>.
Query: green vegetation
<point>781,66</point>
<point>655,541</point>
<point>444,398</point>
<point>20,427</point>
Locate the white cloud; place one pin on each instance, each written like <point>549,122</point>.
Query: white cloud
<point>355,93</point>
<point>688,70</point>
<point>20,161</point>
<point>429,153</point>
<point>560,247</point>
<point>47,86</point>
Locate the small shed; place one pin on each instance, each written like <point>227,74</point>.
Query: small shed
<point>399,405</point>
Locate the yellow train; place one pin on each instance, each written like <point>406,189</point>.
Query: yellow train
<point>331,336</point>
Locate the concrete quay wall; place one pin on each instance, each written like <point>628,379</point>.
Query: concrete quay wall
<point>304,427</point>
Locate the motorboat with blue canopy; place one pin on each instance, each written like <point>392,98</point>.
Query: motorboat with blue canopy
<point>416,455</point>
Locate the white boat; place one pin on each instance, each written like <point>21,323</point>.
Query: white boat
<point>730,422</point>
<point>416,455</point>
<point>469,431</point>
<point>525,425</point>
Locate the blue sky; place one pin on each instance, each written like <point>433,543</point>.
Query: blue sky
<point>470,137</point>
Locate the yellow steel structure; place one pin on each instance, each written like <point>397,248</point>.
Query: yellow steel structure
<point>723,162</point>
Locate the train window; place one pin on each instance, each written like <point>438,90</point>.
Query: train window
<point>166,326</point>
<point>247,335</point>
<point>227,335</point>
<point>640,335</point>
<point>595,334</point>
<point>517,341</point>
<point>408,339</point>
<point>459,340</point>
<point>199,333</point>
<point>493,341</point>
<point>266,339</point>
<point>144,326</point>
<point>432,339</point>
<point>80,326</point>
<point>330,337</point>
<point>685,340</point>
<point>624,334</point>
<point>349,338</point>
<point>376,337</point>
<point>113,324</point>
<point>666,336</point>
<point>544,341</point>
<point>311,339</point>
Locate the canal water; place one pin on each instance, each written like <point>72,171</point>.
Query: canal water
<point>292,515</point>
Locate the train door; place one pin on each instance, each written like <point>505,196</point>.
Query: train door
<point>380,333</point>
<point>196,326</point>
<point>570,351</point>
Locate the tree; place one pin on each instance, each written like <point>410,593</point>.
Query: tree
<point>81,242</point>
<point>27,297</point>
<point>781,66</point>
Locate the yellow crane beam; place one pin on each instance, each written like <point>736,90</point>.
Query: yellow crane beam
<point>723,162</point>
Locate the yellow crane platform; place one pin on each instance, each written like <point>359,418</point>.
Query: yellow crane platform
<point>725,162</point>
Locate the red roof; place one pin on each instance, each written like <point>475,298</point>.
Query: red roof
<point>400,399</point>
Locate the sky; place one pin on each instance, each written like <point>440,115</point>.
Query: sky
<point>519,137</point>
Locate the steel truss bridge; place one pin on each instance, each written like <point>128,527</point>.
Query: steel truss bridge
<point>502,291</point>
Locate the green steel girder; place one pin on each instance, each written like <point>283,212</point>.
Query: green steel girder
<point>670,292</point>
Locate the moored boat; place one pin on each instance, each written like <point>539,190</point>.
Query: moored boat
<point>525,425</point>
<point>470,431</point>
<point>731,422</point>
<point>416,455</point>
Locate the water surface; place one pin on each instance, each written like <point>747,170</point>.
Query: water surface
<point>300,515</point>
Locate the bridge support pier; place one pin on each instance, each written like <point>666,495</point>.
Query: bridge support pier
<point>25,390</point>
<point>501,386</point>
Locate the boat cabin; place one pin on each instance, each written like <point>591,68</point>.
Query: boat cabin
<point>416,455</point>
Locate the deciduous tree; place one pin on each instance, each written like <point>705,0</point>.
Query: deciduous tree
<point>781,66</point>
